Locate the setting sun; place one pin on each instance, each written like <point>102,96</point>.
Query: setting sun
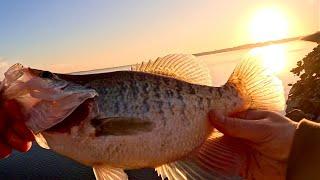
<point>270,24</point>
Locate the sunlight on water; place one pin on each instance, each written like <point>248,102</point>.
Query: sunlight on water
<point>274,57</point>
<point>268,24</point>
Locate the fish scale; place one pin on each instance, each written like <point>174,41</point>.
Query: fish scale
<point>136,90</point>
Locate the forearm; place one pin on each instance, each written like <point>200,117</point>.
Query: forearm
<point>304,159</point>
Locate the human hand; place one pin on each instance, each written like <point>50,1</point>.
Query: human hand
<point>268,135</point>
<point>14,134</point>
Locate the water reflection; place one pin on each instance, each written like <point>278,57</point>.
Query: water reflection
<point>274,57</point>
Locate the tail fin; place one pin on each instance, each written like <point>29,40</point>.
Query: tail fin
<point>258,86</point>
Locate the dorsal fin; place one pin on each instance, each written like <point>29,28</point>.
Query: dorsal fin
<point>179,66</point>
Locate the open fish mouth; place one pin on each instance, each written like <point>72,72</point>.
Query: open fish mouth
<point>63,106</point>
<point>47,99</point>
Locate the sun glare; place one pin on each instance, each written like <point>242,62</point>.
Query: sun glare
<point>270,24</point>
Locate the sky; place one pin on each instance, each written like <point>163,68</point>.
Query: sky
<point>74,35</point>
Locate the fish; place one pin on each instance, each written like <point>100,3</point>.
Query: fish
<point>152,116</point>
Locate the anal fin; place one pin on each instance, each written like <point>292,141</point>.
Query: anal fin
<point>224,155</point>
<point>218,158</point>
<point>103,172</point>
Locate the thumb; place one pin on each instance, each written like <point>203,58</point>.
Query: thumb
<point>235,127</point>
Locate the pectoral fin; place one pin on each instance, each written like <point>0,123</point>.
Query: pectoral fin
<point>218,158</point>
<point>120,126</point>
<point>103,172</point>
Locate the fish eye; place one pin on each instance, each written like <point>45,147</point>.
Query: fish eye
<point>46,74</point>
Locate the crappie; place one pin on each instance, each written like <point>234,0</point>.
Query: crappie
<point>153,116</point>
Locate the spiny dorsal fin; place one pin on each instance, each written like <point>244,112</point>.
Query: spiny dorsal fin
<point>179,66</point>
<point>218,158</point>
<point>103,172</point>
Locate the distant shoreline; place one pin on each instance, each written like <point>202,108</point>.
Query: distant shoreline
<point>315,37</point>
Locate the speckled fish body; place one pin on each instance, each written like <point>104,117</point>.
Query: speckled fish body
<point>171,114</point>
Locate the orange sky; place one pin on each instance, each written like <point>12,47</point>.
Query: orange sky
<point>66,37</point>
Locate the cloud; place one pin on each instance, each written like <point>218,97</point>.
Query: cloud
<point>4,65</point>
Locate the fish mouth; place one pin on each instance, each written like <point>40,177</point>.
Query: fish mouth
<point>59,100</point>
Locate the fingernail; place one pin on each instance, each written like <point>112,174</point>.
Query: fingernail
<point>25,147</point>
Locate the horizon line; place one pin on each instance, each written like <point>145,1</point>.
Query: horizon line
<point>314,37</point>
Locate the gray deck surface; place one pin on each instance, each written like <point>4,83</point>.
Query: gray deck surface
<point>40,163</point>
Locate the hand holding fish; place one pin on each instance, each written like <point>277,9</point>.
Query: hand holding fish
<point>13,132</point>
<point>269,135</point>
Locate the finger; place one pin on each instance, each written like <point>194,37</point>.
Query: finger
<point>22,131</point>
<point>235,127</point>
<point>13,110</point>
<point>17,120</point>
<point>5,150</point>
<point>16,142</point>
<point>253,114</point>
